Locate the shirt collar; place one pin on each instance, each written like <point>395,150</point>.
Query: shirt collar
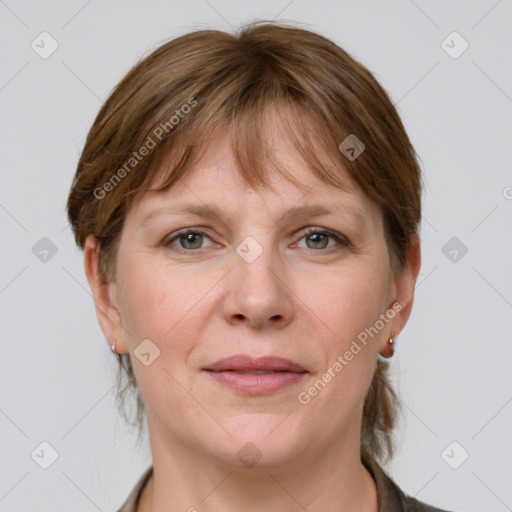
<point>389,497</point>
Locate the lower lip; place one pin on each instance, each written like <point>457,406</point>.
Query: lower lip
<point>257,384</point>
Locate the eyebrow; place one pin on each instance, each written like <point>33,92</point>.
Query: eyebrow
<point>211,211</point>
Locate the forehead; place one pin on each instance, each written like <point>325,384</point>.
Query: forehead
<point>215,179</point>
<point>214,191</point>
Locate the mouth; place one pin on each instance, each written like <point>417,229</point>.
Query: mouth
<point>250,376</point>
<point>254,372</point>
<point>242,363</point>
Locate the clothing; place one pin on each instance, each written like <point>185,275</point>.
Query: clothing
<point>390,497</point>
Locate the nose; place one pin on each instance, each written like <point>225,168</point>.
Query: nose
<point>257,293</point>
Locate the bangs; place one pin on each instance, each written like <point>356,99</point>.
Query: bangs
<point>255,130</point>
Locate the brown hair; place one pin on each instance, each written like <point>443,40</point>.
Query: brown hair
<point>176,100</point>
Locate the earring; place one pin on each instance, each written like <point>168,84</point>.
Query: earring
<point>391,347</point>
<point>113,347</point>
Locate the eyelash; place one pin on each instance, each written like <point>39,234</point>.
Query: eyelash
<point>344,242</point>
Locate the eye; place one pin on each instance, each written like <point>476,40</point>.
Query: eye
<point>189,240</point>
<point>318,238</point>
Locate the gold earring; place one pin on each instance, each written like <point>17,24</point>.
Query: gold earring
<point>390,348</point>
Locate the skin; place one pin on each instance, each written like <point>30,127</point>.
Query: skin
<point>303,298</point>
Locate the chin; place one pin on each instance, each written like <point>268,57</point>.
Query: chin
<point>258,443</point>
<point>256,457</point>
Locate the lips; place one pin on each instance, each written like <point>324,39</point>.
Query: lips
<point>250,365</point>
<point>250,376</point>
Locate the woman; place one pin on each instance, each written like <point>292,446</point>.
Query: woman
<point>258,351</point>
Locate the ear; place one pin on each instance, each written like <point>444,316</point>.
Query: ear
<point>105,297</point>
<point>403,294</point>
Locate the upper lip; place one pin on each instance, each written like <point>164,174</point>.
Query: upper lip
<point>248,363</point>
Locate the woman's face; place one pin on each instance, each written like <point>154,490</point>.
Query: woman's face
<point>250,281</point>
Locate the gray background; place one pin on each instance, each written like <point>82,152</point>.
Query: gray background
<point>453,362</point>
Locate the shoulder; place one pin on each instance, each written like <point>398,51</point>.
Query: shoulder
<point>130,504</point>
<point>390,497</point>
<point>413,505</point>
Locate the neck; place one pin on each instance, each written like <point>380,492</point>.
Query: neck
<point>186,480</point>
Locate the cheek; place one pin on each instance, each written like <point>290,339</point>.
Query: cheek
<point>153,300</point>
<point>169,308</point>
<point>346,310</point>
<point>345,303</point>
<point>163,308</point>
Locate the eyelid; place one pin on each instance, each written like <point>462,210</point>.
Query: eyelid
<point>341,239</point>
<point>200,230</point>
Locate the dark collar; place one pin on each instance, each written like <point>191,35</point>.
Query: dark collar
<point>390,497</point>
<point>130,505</point>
